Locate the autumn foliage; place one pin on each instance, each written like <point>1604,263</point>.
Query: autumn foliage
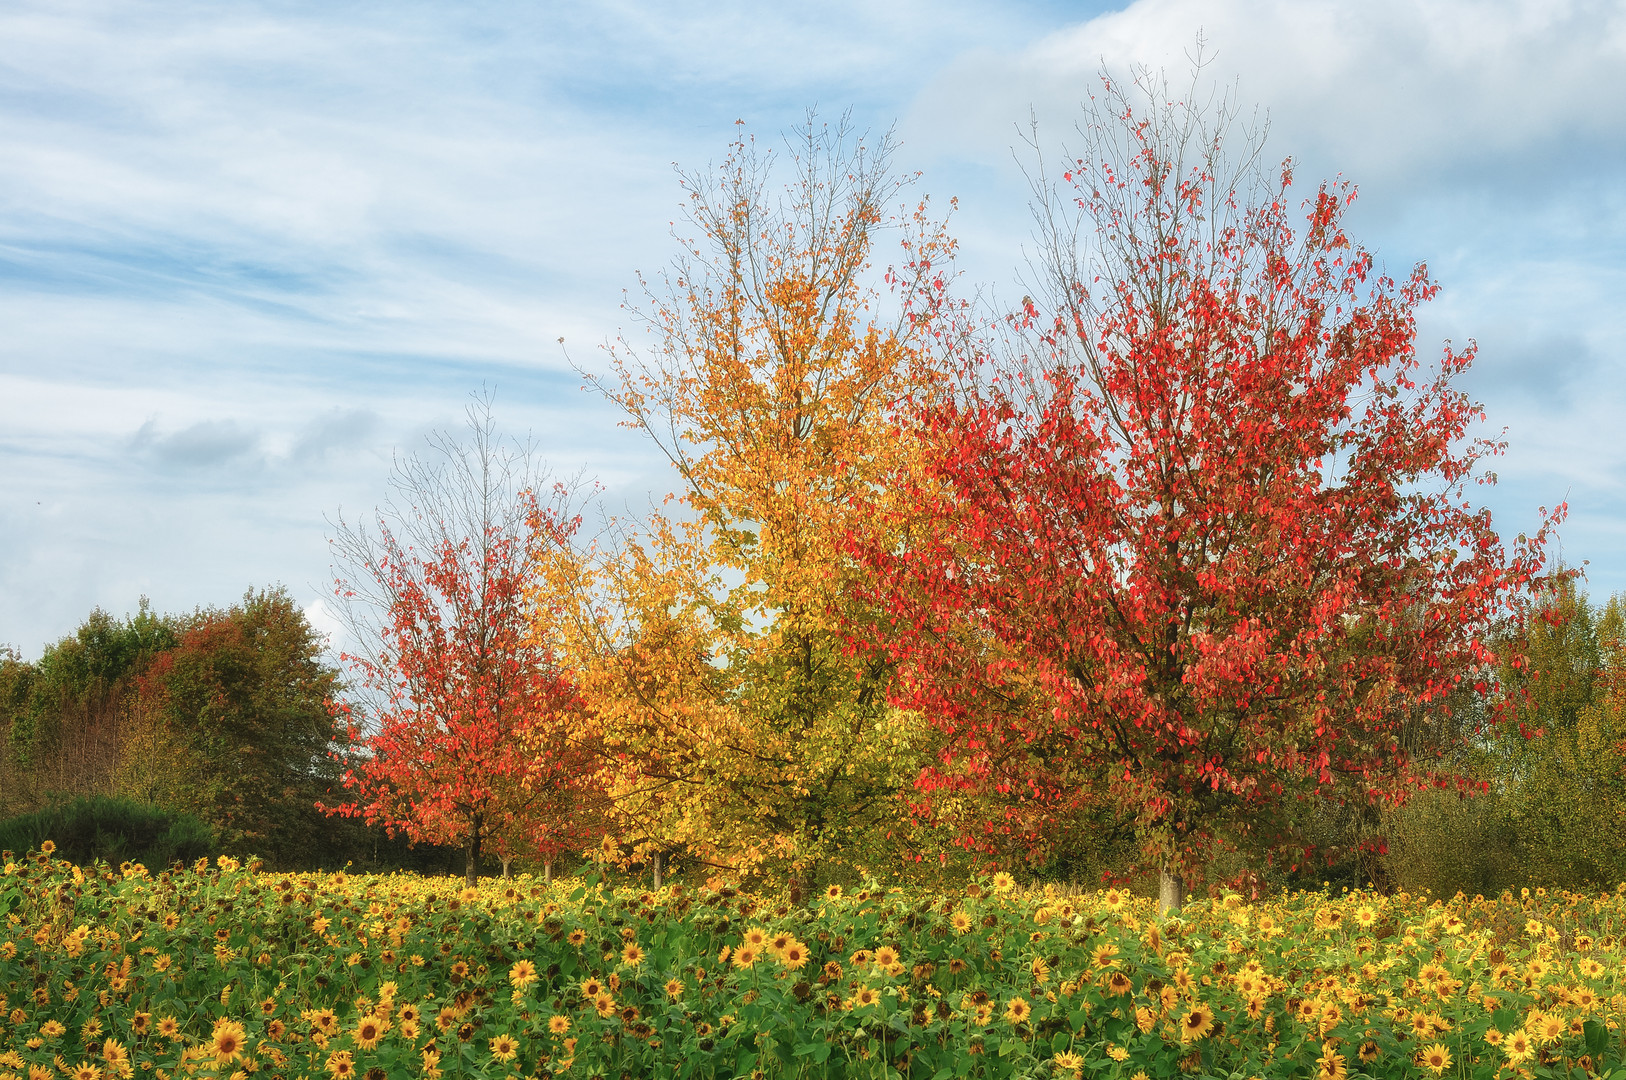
<point>710,639</point>
<point>1197,552</point>
<point>1176,559</point>
<point>474,738</point>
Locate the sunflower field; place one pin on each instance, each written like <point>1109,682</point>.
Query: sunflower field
<point>219,971</point>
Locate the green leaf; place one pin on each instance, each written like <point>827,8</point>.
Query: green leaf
<point>1597,1038</point>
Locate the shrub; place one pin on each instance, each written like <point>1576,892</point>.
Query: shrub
<point>112,830</point>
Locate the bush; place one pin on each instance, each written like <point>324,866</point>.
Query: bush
<point>112,830</point>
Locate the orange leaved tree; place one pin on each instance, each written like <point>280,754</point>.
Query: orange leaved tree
<point>710,640</point>
<point>472,733</point>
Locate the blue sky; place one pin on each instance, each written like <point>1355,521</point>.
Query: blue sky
<point>249,251</point>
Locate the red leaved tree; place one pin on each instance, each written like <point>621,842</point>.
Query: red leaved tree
<point>472,735</point>
<point>1200,557</point>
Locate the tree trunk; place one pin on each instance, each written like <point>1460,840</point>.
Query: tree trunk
<point>1171,892</point>
<point>547,871</point>
<point>471,867</point>
<point>657,870</point>
<point>506,859</point>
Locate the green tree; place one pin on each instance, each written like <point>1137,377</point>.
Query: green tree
<point>1562,771</point>
<point>62,719</point>
<point>233,725</point>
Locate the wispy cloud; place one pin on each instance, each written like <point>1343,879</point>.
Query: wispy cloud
<point>247,251</point>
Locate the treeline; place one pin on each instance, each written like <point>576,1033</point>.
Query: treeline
<point>223,714</point>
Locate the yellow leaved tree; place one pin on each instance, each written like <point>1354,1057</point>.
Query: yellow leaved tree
<point>712,640</point>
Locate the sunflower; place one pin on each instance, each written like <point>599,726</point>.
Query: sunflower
<point>833,892</point>
<point>757,938</point>
<point>342,1064</point>
<point>1494,1037</point>
<point>632,954</point>
<point>1519,1048</point>
<point>1003,882</point>
<point>504,1048</point>
<point>1070,1062</point>
<point>1255,1007</point>
<point>745,956</point>
<point>1119,984</point>
<point>793,956</point>
<point>1197,1023</point>
<point>1330,1065</point>
<point>1545,1027</point>
<point>169,1027</point>
<point>558,1024</point>
<point>227,1041</point>
<point>1017,1010</point>
<point>777,943</point>
<point>85,1071</point>
<point>592,988</point>
<point>51,1029</point>
<point>1368,1052</point>
<point>1115,899</point>
<point>1436,1058</point>
<point>960,921</point>
<point>863,998</point>
<point>1365,917</point>
<point>139,1023</point>
<point>886,956</point>
<point>604,1004</point>
<point>577,937</point>
<point>1104,955</point>
<point>522,974</point>
<point>325,1021</point>
<point>370,1032</point>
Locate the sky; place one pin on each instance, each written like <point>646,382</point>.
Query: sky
<point>250,252</point>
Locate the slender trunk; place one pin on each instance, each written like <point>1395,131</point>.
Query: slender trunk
<point>506,859</point>
<point>547,871</point>
<point>1171,892</point>
<point>471,866</point>
<point>657,870</point>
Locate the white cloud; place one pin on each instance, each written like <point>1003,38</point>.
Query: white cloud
<point>1391,92</point>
